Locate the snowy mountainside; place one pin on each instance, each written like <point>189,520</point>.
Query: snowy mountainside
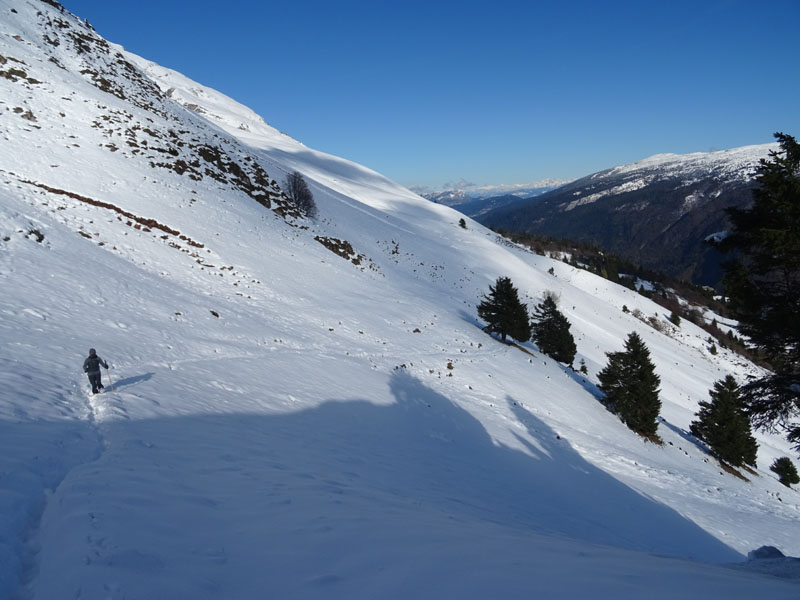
<point>657,212</point>
<point>728,165</point>
<point>310,408</point>
<point>724,166</point>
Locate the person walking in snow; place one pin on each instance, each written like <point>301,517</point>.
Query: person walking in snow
<point>91,366</point>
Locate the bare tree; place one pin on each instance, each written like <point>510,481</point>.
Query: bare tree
<point>297,189</point>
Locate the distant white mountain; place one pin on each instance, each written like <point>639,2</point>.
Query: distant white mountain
<point>309,408</point>
<point>465,192</point>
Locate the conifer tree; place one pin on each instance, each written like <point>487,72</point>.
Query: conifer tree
<point>763,284</point>
<point>504,313</point>
<point>551,332</point>
<point>784,468</point>
<point>724,426</point>
<point>630,384</point>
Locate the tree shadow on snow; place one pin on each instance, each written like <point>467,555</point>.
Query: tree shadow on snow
<point>471,320</point>
<point>583,381</point>
<point>686,435</point>
<point>424,448</point>
<point>620,516</point>
<point>401,474</point>
<point>128,381</point>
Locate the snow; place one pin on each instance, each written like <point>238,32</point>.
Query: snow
<point>726,166</point>
<point>628,186</point>
<point>285,423</point>
<point>736,162</point>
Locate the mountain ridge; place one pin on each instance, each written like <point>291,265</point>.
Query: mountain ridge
<point>471,193</point>
<point>657,212</point>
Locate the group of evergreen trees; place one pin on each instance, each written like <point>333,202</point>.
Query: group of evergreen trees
<point>763,285</point>
<point>629,382</point>
<point>506,315</point>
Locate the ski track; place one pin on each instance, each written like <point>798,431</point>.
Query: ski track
<point>37,473</point>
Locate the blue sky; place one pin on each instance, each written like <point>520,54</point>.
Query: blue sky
<point>506,92</point>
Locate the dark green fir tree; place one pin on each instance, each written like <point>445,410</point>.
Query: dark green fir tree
<point>504,313</point>
<point>784,468</point>
<point>724,426</point>
<point>551,332</point>
<point>762,282</point>
<point>630,385</point>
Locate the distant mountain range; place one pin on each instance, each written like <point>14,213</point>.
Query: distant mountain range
<point>466,193</point>
<point>657,212</point>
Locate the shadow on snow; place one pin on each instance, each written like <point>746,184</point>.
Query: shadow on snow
<point>425,449</point>
<point>128,381</point>
<point>385,479</point>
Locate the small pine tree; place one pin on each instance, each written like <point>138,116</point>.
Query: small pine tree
<point>504,313</point>
<point>784,468</point>
<point>584,369</point>
<point>550,331</point>
<point>724,426</point>
<point>630,384</point>
<point>675,318</point>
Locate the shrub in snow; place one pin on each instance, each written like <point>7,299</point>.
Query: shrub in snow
<point>297,190</point>
<point>657,324</point>
<point>552,295</point>
<point>784,468</point>
<point>36,235</point>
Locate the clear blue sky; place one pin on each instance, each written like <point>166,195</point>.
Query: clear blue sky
<point>505,92</point>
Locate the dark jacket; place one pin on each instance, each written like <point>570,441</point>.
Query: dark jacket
<point>92,364</point>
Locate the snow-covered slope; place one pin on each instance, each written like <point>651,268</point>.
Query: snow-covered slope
<point>309,409</point>
<point>725,166</point>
